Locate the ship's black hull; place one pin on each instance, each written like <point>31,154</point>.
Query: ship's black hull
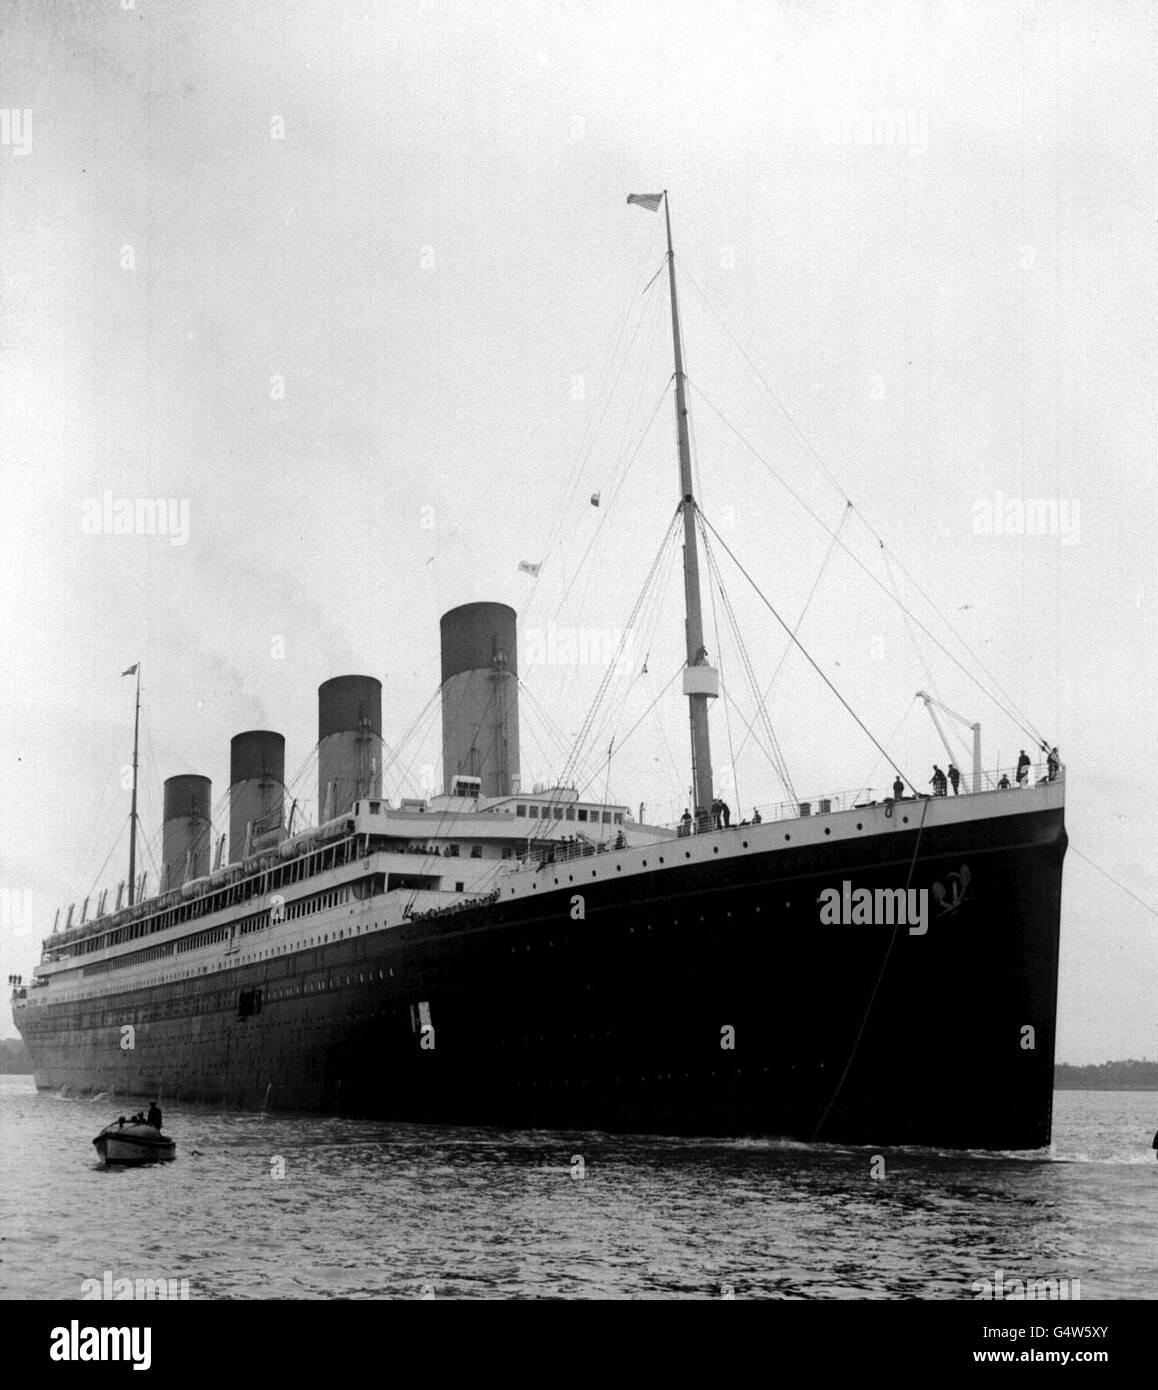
<point>702,999</point>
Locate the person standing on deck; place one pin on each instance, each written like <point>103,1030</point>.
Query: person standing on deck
<point>1022,768</point>
<point>955,778</point>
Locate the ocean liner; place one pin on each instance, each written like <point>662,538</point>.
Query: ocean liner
<point>491,956</point>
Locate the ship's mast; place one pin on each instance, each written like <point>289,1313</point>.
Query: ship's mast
<point>701,682</point>
<point>133,811</point>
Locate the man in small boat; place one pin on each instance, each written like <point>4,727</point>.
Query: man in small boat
<point>155,1116</point>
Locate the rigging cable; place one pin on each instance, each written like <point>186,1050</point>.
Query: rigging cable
<point>1116,882</point>
<point>714,573</point>
<point>591,430</point>
<point>585,730</point>
<point>803,612</point>
<point>876,986</point>
<point>1008,712</point>
<point>582,567</point>
<point>860,723</point>
<point>778,760</point>
<point>1022,720</point>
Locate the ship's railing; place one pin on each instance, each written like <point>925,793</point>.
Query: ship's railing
<point>563,851</point>
<point>999,779</point>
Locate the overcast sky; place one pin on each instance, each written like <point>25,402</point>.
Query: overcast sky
<point>351,285</point>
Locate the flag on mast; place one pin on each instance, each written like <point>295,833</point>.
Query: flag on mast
<point>132,671</point>
<point>526,567</point>
<point>650,201</point>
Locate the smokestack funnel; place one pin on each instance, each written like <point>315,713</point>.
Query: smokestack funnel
<point>185,831</point>
<point>480,697</point>
<point>256,787</point>
<point>349,743</point>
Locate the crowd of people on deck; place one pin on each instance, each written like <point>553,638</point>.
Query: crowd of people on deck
<point>452,908</point>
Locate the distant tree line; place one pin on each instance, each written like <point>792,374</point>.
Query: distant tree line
<point>1108,1076</point>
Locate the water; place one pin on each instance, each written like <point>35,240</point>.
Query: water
<point>369,1210</point>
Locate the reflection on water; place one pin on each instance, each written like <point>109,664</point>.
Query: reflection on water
<point>268,1206</point>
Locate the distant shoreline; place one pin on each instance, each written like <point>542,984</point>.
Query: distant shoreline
<point>1093,1086</point>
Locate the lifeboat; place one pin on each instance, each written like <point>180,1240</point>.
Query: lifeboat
<point>121,1142</point>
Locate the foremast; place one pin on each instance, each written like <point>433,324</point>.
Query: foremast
<point>136,671</point>
<point>701,681</point>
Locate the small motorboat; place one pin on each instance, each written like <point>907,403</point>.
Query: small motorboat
<point>128,1141</point>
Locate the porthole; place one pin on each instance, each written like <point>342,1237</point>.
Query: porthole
<point>859,826</point>
<point>715,849</point>
<point>905,819</point>
<point>788,837</point>
<point>827,831</point>
<point>745,846</point>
